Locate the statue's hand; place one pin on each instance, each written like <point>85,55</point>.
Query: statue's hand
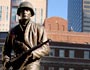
<point>21,45</point>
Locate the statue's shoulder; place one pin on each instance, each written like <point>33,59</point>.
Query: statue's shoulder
<point>36,24</point>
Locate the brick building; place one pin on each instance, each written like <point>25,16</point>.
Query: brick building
<point>69,50</point>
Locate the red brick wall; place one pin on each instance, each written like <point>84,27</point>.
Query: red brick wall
<point>57,31</point>
<point>55,24</point>
<point>72,37</point>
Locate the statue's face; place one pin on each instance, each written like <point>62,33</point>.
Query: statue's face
<point>25,13</point>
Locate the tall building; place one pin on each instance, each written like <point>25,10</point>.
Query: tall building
<point>75,15</point>
<point>79,15</point>
<point>40,9</point>
<point>86,16</point>
<point>5,15</point>
<point>5,7</point>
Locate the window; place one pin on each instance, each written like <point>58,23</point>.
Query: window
<point>3,35</point>
<point>86,54</point>
<point>16,1</point>
<point>61,53</point>
<point>41,67</point>
<point>71,68</point>
<point>1,49</point>
<point>52,52</point>
<point>71,53</point>
<point>14,12</point>
<point>0,12</point>
<point>6,9</point>
<point>85,69</point>
<point>61,68</point>
<point>87,2</point>
<point>41,14</point>
<point>51,68</point>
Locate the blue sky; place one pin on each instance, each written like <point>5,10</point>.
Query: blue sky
<point>57,8</point>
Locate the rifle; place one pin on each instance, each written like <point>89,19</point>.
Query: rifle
<point>17,62</point>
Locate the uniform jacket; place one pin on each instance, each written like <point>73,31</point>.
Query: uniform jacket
<point>33,35</point>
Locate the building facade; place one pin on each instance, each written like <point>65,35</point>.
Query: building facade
<point>5,15</point>
<point>86,15</point>
<point>75,15</point>
<point>69,50</point>
<point>79,15</point>
<point>5,10</point>
<point>67,56</point>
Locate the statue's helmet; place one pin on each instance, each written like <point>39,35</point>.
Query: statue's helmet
<point>25,5</point>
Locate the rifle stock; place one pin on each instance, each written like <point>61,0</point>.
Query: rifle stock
<point>17,62</point>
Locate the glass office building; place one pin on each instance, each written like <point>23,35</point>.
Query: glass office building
<point>75,15</point>
<point>79,15</point>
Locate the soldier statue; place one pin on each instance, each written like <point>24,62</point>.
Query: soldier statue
<point>23,37</point>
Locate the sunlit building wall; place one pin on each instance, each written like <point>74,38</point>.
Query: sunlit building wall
<point>5,7</point>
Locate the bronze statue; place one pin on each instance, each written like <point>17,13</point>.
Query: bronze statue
<point>24,37</point>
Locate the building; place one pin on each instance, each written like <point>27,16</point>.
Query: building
<point>67,56</point>
<point>69,50</point>
<point>75,15</point>
<point>79,15</point>
<point>86,15</point>
<point>5,10</point>
<point>40,9</point>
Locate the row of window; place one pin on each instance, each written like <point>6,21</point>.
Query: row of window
<point>0,12</point>
<point>86,2</point>
<point>14,11</point>
<point>86,6</point>
<point>16,1</point>
<point>60,68</point>
<point>71,53</point>
<point>6,9</point>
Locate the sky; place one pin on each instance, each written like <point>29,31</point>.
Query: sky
<point>57,8</point>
